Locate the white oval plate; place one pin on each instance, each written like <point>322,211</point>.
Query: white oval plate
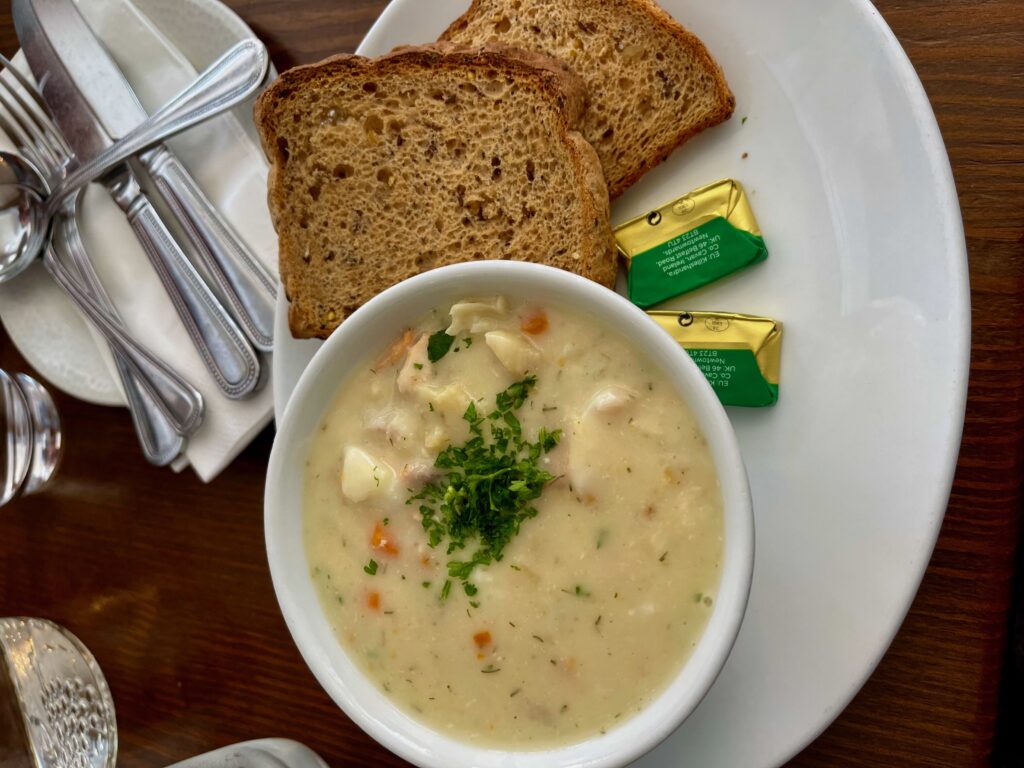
<point>851,471</point>
<point>41,322</point>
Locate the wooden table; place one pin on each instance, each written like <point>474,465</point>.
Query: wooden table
<point>166,579</point>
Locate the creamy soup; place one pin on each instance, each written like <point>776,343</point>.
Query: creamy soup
<point>574,513</point>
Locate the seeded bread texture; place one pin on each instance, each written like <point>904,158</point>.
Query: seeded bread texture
<point>652,85</point>
<point>431,155</point>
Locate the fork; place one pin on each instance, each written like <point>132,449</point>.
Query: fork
<point>165,409</point>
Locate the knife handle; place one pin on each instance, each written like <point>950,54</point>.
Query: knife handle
<point>160,382</point>
<point>161,444</point>
<point>249,289</point>
<point>227,355</point>
<point>163,415</point>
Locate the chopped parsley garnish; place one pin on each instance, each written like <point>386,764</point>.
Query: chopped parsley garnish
<point>371,567</point>
<point>446,589</point>
<point>468,341</point>
<point>489,483</point>
<point>418,366</point>
<point>438,345</point>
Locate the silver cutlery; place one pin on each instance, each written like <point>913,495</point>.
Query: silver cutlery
<point>248,287</point>
<point>164,407</point>
<point>100,86</point>
<point>225,352</point>
<point>161,434</point>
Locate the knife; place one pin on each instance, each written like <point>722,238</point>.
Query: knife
<point>65,57</point>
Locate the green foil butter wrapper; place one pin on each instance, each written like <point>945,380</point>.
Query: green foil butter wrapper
<point>739,354</point>
<point>690,242</point>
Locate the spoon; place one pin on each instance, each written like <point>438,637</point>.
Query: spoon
<point>182,406</point>
<point>232,78</point>
<point>22,192</point>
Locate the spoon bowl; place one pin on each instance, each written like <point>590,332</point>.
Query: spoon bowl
<point>23,221</point>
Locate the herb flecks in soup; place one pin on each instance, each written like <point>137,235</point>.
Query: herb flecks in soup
<point>514,524</point>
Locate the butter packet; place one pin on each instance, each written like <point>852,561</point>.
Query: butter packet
<point>739,354</point>
<point>689,242</point>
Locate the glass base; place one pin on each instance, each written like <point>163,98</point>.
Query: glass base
<point>30,436</point>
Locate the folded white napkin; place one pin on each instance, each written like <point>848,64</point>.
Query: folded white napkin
<point>230,168</point>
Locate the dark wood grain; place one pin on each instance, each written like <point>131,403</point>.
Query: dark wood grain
<point>166,579</point>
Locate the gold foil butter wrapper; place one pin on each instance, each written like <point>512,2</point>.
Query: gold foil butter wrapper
<point>739,354</point>
<point>690,242</point>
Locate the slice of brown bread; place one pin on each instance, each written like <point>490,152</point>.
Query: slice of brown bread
<point>430,155</point>
<point>652,84</point>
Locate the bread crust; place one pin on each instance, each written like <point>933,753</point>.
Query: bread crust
<point>564,88</point>
<point>659,153</point>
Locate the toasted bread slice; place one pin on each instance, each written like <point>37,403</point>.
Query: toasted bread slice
<point>431,155</point>
<point>652,84</point>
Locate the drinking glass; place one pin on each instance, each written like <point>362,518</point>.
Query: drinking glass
<point>30,436</point>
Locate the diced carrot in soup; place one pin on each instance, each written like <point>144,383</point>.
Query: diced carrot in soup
<point>534,322</point>
<point>482,639</point>
<point>383,541</point>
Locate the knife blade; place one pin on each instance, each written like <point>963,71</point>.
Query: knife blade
<point>68,63</point>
